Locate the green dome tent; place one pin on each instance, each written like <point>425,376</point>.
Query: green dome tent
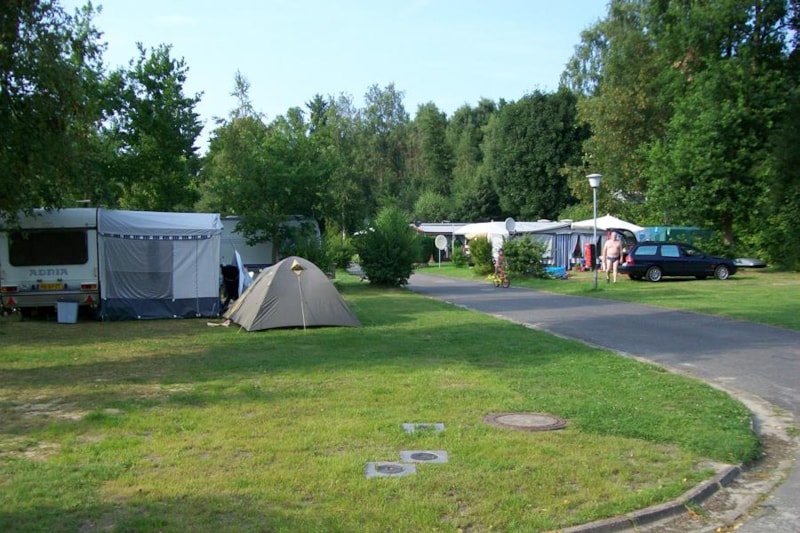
<point>293,293</point>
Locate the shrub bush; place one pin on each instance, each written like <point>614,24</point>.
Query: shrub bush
<point>389,249</point>
<point>459,259</point>
<point>339,247</point>
<point>524,256</point>
<point>480,250</point>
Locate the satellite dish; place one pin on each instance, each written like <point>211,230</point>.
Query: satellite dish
<point>441,242</point>
<point>511,224</point>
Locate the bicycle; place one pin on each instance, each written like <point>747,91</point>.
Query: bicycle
<point>500,279</point>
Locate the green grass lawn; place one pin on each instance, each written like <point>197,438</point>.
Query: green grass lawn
<point>171,425</point>
<point>756,295</point>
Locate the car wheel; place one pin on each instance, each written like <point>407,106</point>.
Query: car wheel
<point>654,273</point>
<point>722,272</point>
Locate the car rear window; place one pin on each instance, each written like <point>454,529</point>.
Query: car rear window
<point>645,250</point>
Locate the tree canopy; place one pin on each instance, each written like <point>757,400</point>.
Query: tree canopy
<point>687,109</point>
<point>51,103</point>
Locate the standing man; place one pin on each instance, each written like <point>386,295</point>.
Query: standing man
<point>612,251</point>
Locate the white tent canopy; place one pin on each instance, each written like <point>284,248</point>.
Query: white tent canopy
<point>606,222</point>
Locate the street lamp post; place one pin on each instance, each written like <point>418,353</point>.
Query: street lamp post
<point>594,182</point>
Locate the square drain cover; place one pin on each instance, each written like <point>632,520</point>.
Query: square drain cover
<point>434,427</point>
<point>387,469</point>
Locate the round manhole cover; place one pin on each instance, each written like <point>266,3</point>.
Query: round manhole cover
<point>424,456</point>
<point>526,421</point>
<point>389,469</point>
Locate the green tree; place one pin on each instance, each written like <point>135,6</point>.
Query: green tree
<point>616,68</point>
<point>233,154</point>
<point>51,81</point>
<point>778,234</point>
<point>285,182</point>
<point>385,129</point>
<point>156,131</point>
<point>527,144</point>
<point>460,258</point>
<point>318,109</point>
<point>431,159</point>
<point>681,98</point>
<point>347,199</point>
<point>705,171</point>
<point>709,166</point>
<point>388,249</point>
<point>781,205</point>
<point>267,174</point>
<point>473,194</point>
<point>432,207</point>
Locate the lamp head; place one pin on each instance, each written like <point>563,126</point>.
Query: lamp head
<point>594,180</point>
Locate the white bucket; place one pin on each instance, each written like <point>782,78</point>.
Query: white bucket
<point>67,312</point>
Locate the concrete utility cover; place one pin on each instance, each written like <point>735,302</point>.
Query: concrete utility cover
<point>423,456</point>
<point>385,469</point>
<point>526,421</point>
<point>413,427</point>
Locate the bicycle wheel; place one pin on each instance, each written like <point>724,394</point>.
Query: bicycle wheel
<point>506,283</point>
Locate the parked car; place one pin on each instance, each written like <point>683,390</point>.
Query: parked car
<point>654,260</point>
<point>749,262</point>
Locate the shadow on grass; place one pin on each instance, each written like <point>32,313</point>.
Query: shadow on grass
<point>184,513</point>
<point>81,369</point>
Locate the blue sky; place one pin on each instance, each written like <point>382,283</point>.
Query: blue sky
<point>449,52</point>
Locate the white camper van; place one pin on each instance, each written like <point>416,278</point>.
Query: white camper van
<point>123,264</point>
<point>51,256</point>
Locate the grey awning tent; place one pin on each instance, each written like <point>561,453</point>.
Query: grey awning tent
<point>158,265</point>
<point>545,231</point>
<point>293,293</point>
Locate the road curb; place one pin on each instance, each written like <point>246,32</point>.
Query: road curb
<point>631,521</point>
<point>767,422</point>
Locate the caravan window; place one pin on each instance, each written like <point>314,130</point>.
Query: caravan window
<point>48,247</point>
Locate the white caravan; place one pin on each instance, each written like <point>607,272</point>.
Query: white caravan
<point>52,256</point>
<point>124,264</point>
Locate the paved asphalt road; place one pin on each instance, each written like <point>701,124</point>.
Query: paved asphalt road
<point>739,356</point>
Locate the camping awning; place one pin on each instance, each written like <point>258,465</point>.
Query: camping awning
<point>470,231</point>
<point>151,225</point>
<point>606,222</point>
